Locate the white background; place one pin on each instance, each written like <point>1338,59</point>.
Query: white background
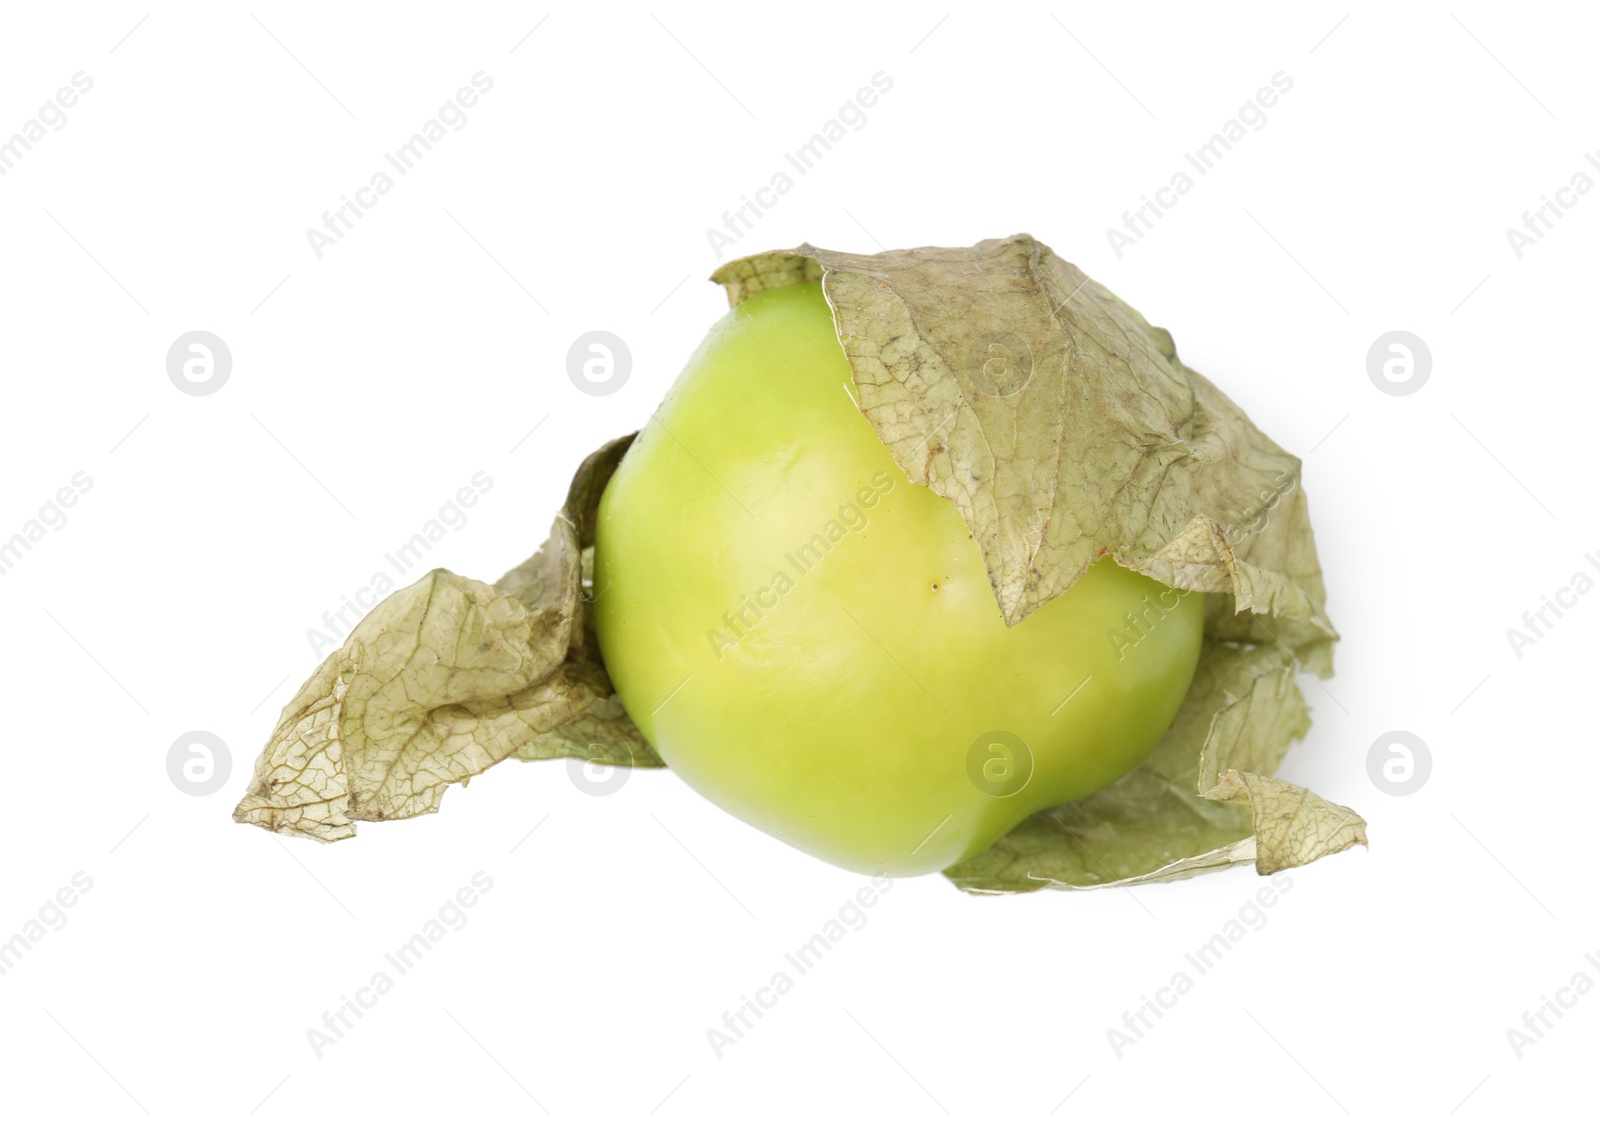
<point>370,384</point>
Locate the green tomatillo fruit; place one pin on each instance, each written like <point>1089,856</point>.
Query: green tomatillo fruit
<point>812,642</point>
<point>938,558</point>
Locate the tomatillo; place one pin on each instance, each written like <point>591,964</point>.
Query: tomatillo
<point>811,641</point>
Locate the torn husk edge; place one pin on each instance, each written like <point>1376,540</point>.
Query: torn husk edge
<point>444,679</point>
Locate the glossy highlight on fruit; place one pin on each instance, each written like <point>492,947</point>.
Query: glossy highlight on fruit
<point>811,641</point>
